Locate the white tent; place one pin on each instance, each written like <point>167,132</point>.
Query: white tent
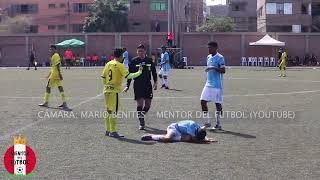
<point>267,41</point>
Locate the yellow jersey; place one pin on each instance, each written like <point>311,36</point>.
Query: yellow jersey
<point>114,72</point>
<point>283,59</point>
<point>55,60</point>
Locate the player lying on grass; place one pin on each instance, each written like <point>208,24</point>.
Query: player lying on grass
<point>182,131</point>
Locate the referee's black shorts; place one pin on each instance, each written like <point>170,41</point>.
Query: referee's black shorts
<point>143,90</point>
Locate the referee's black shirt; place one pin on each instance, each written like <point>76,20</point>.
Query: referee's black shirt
<point>148,70</point>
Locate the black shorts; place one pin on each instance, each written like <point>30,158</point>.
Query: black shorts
<point>143,91</point>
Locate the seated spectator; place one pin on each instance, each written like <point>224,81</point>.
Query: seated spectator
<point>95,59</point>
<point>314,61</point>
<point>77,60</point>
<point>82,61</point>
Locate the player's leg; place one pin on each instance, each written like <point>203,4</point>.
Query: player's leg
<point>35,65</point>
<point>113,106</point>
<point>284,68</point>
<point>62,95</point>
<point>28,68</point>
<point>204,107</point>
<point>161,77</point>
<point>165,78</point>
<point>47,95</point>
<point>218,100</point>
<point>147,98</point>
<point>145,110</point>
<point>218,116</point>
<point>106,120</point>
<point>169,137</point>
<point>206,96</point>
<point>140,107</point>
<point>166,82</point>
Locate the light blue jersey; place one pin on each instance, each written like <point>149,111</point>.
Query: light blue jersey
<point>165,61</point>
<point>187,127</point>
<point>126,58</point>
<point>214,78</point>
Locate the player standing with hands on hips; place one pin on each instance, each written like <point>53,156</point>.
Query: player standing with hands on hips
<point>142,85</point>
<point>213,89</point>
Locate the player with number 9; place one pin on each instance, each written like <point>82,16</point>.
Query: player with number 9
<point>113,74</point>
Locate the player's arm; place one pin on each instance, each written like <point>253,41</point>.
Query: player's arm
<point>59,71</point>
<point>48,75</point>
<point>103,75</point>
<point>221,67</point>
<point>133,75</point>
<point>131,70</point>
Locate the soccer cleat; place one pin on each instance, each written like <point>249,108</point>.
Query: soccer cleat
<point>218,127</point>
<point>107,133</point>
<point>63,106</point>
<point>207,125</point>
<point>166,87</point>
<point>163,86</point>
<point>146,138</point>
<point>284,75</point>
<point>45,104</point>
<point>116,135</point>
<point>280,75</point>
<point>141,127</point>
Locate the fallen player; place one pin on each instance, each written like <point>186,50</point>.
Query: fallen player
<point>182,131</point>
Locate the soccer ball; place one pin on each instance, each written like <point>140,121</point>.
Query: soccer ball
<point>20,170</point>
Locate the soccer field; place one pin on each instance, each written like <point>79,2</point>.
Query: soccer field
<point>271,124</point>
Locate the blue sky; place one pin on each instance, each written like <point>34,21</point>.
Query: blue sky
<point>214,2</point>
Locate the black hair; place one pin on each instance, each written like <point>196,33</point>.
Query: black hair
<point>118,52</point>
<point>213,44</point>
<point>141,46</point>
<point>53,46</point>
<point>201,134</point>
<point>163,47</point>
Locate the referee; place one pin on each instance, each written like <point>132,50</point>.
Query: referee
<point>142,85</point>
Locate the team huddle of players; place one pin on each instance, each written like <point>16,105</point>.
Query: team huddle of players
<point>142,70</point>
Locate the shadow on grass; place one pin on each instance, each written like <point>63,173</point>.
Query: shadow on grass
<point>57,108</point>
<point>134,141</point>
<point>233,133</point>
<point>179,90</point>
<point>152,130</point>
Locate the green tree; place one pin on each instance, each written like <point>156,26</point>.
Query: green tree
<point>217,24</point>
<point>17,24</point>
<point>107,16</point>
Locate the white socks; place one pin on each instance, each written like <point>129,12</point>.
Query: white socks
<point>206,118</point>
<point>156,137</point>
<point>218,118</point>
<point>166,82</point>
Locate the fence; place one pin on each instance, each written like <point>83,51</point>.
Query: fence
<point>15,48</point>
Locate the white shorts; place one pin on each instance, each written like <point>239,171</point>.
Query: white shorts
<point>172,130</point>
<point>163,73</point>
<point>212,94</point>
